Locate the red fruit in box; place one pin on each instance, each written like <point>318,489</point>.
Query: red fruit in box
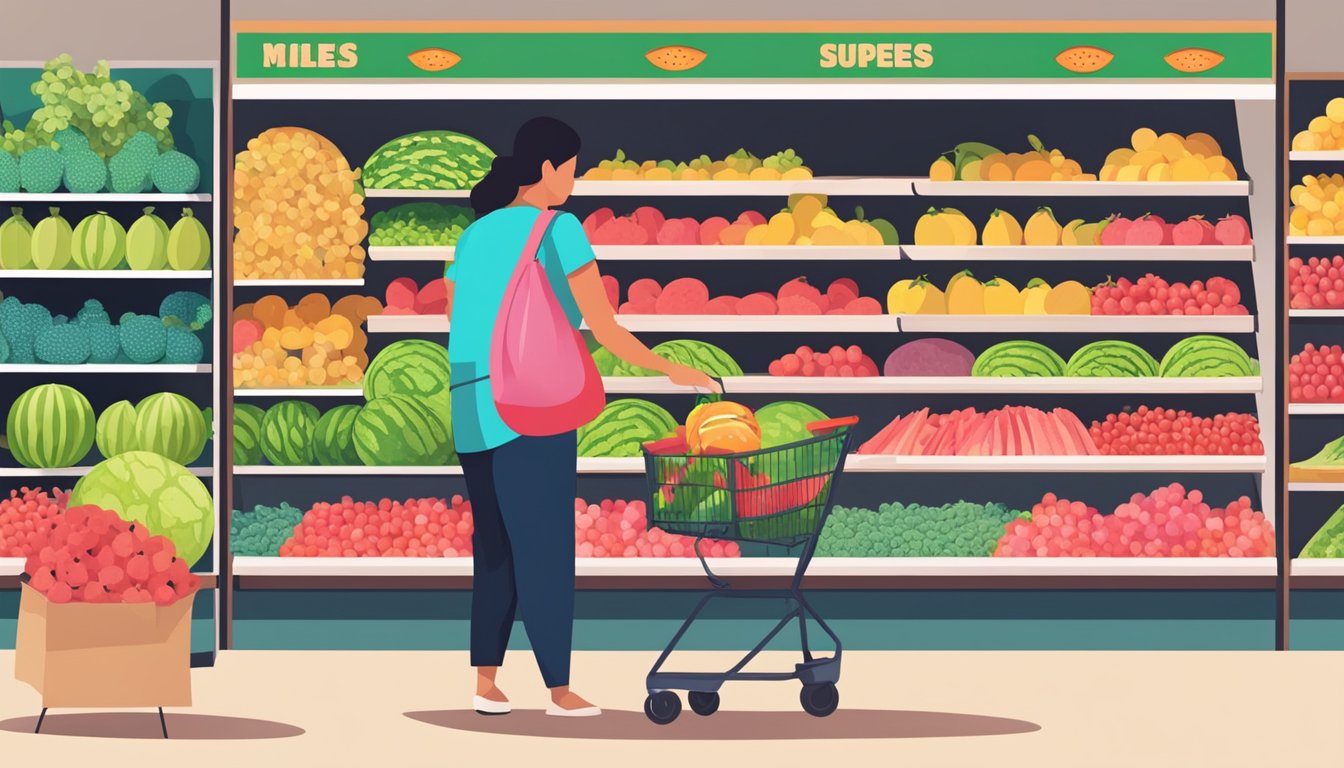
<point>798,305</point>
<point>1117,231</point>
<point>1147,230</point>
<point>651,219</point>
<point>864,305</point>
<point>841,292</point>
<point>644,289</point>
<point>722,305</point>
<point>683,296</point>
<point>1193,231</point>
<point>401,293</point>
<point>595,220</point>
<point>758,304</point>
<point>1232,229</point>
<point>710,229</point>
<point>801,288</point>
<point>432,299</point>
<point>751,217</point>
<point>613,287</point>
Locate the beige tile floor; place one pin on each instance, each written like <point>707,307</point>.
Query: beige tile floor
<point>1038,709</point>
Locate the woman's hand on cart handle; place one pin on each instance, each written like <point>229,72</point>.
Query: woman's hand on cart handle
<point>686,376</point>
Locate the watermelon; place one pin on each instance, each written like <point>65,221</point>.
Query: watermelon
<point>428,160</point>
<point>287,433</point>
<point>700,355</point>
<point>117,432</point>
<point>623,427</point>
<point>785,422</point>
<point>1111,358</point>
<point>334,441</point>
<point>1017,359</point>
<point>98,242</point>
<point>396,430</point>
<point>1208,356</point>
<point>49,426</point>
<point>415,368</point>
<point>606,362</point>
<point>247,420</point>
<point>170,425</point>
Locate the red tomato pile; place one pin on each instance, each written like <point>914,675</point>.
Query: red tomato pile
<point>1153,295</point>
<point>1316,375</point>
<point>1167,432</point>
<point>620,529</point>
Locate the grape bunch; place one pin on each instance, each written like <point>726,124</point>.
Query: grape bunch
<point>1169,522</point>
<point>298,209</point>
<point>419,224</point>
<point>1170,432</point>
<point>837,361</point>
<point>91,555</point>
<point>1316,283</point>
<point>617,528</point>
<point>1316,375</point>
<point>1318,206</point>
<point>23,517</point>
<point>386,528</point>
<point>261,531</point>
<point>1153,295</point>
<point>962,529</point>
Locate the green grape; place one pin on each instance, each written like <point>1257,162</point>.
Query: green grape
<point>108,112</point>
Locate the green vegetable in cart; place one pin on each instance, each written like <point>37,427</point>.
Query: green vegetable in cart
<point>64,344</point>
<point>260,533</point>
<point>130,167</point>
<point>117,431</point>
<point>287,432</point>
<point>106,111</point>
<point>170,425</point>
<point>41,170</point>
<point>9,173</point>
<point>52,239</point>
<point>188,243</point>
<point>176,174</point>
<point>147,242</point>
<point>159,493</point>
<point>785,421</point>
<point>961,529</point>
<point>428,160</point>
<point>50,426</point>
<point>400,430</point>
<point>247,425</point>
<point>334,441</point>
<point>16,241</point>
<point>623,427</point>
<point>143,338</point>
<point>98,242</point>
<point>85,172</point>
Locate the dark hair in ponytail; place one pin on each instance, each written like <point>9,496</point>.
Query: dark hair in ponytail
<point>538,140</point>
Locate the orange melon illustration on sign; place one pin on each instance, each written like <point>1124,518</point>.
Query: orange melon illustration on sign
<point>676,58</point>
<point>1084,58</point>
<point>434,59</point>
<point>1194,59</point>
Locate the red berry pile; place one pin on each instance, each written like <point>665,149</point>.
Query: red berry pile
<point>24,516</point>
<point>386,528</point>
<point>1153,295</point>
<point>837,361</point>
<point>91,555</point>
<point>1317,283</point>
<point>1167,431</point>
<point>1169,522</point>
<point>1316,375</point>
<point>620,529</point>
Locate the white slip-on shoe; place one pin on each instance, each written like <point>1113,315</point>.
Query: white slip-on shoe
<point>555,710</point>
<point>486,706</point>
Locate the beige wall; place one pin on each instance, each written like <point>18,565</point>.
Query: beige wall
<point>128,30</point>
<point>1313,29</point>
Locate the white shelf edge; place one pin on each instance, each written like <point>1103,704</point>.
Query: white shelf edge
<point>266,470</point>
<point>1316,409</point>
<point>1316,313</point>
<point>924,187</point>
<point>25,472</point>
<point>417,193</point>
<point>1078,323</point>
<point>616,567</point>
<point>298,392</point>
<point>103,197</point>
<point>748,252</point>
<point>1220,253</point>
<point>1322,156</point>
<point>354,282</point>
<point>411,252</point>
<point>1316,240</point>
<point>107,274</point>
<point>1298,487</point>
<point>11,566</point>
<point>1098,464</point>
<point>878,385</point>
<point>100,368</point>
<point>1316,566</point>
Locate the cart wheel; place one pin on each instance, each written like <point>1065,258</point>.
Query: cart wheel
<point>704,703</point>
<point>820,699</point>
<point>662,707</point>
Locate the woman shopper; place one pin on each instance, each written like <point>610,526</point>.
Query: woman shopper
<point>522,488</point>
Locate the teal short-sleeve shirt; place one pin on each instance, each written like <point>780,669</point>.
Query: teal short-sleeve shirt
<point>483,261</point>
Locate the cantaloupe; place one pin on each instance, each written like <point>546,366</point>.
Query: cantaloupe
<point>1193,59</point>
<point>1084,58</point>
<point>676,58</point>
<point>434,59</point>
<point>1069,298</point>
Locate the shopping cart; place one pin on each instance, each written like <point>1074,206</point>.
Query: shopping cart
<point>780,496</point>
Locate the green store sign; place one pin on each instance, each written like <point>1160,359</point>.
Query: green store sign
<point>785,55</point>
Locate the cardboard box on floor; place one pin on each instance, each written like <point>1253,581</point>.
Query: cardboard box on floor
<point>104,654</point>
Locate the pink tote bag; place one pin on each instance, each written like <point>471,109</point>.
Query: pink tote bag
<point>543,379</point>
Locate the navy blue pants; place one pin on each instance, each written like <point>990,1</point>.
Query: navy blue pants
<point>522,501</point>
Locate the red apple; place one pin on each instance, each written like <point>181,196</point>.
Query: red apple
<point>1116,232</point>
<point>1232,229</point>
<point>1193,231</point>
<point>751,217</point>
<point>710,229</point>
<point>1147,230</point>
<point>651,219</point>
<point>401,293</point>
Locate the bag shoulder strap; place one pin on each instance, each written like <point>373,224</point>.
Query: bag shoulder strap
<point>532,250</point>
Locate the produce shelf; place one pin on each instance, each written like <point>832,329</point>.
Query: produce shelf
<point>1078,324</point>
<point>266,470</point>
<point>411,252</point>
<point>1099,464</point>
<point>1317,573</point>
<point>11,568</point>
<point>98,368</point>
<point>107,274</point>
<point>1316,409</point>
<point>821,185</point>
<point>408,193</point>
<point>26,472</point>
<point>1316,313</point>
<point>891,385</point>
<point>353,282</point>
<point>1316,487</point>
<point>1326,156</point>
<point>673,323</point>
<point>1066,253</point>
<point>102,197</point>
<point>824,572</point>
<point>924,187</point>
<point>299,392</point>
<point>1318,240</point>
<point>812,253</point>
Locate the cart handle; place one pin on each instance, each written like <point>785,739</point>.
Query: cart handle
<point>828,426</point>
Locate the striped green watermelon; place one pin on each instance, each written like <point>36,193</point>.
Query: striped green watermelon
<point>396,430</point>
<point>287,433</point>
<point>1208,356</point>
<point>1018,359</point>
<point>247,420</point>
<point>334,442</point>
<point>171,426</point>
<point>49,426</point>
<point>1111,358</point>
<point>428,160</point>
<point>606,362</point>
<point>415,368</point>
<point>700,355</point>
<point>98,242</point>
<point>117,432</point>
<point>623,426</point>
